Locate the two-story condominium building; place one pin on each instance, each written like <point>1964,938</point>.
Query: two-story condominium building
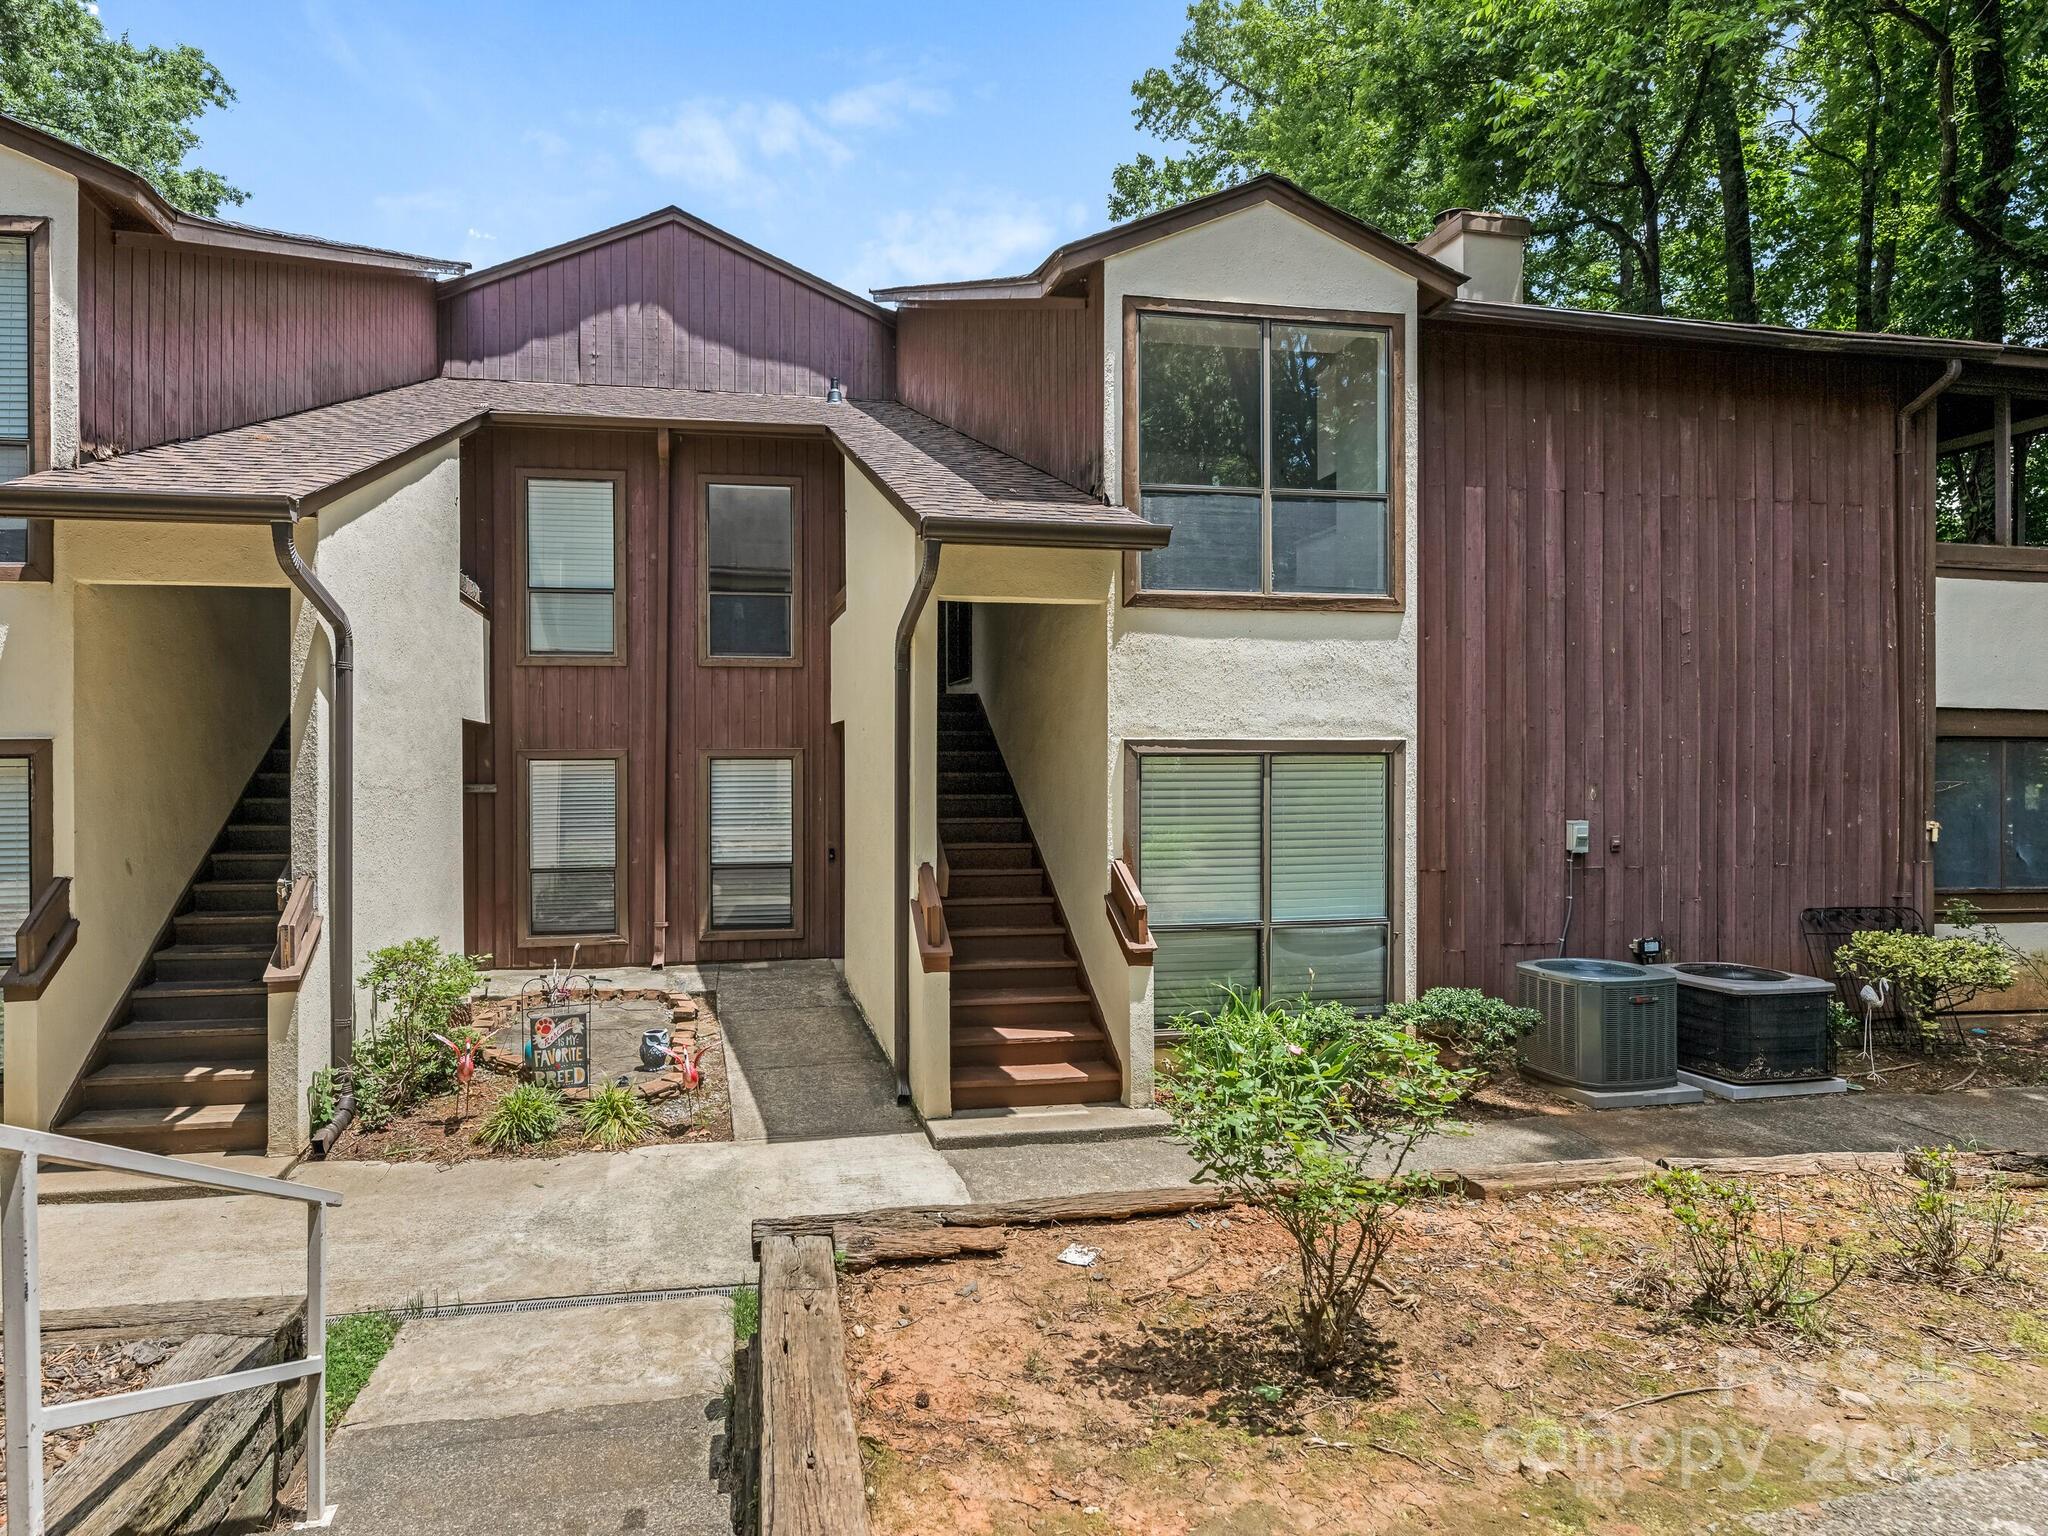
<point>1243,596</point>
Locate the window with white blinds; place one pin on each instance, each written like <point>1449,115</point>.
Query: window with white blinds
<point>573,845</point>
<point>1266,871</point>
<point>571,582</point>
<point>16,365</point>
<point>753,843</point>
<point>750,572</point>
<point>14,845</point>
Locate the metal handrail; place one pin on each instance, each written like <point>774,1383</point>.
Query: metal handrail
<point>29,1418</point>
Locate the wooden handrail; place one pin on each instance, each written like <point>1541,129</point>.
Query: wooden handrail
<point>1129,917</point>
<point>298,936</point>
<point>45,937</point>
<point>928,922</point>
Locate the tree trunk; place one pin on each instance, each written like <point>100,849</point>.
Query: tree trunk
<point>1651,247</point>
<point>1732,168</point>
<point>1999,140</point>
<point>1868,309</point>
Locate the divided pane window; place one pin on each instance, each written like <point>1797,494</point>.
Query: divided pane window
<point>1265,445</point>
<point>1265,871</point>
<point>15,891</point>
<point>571,576</point>
<point>15,369</point>
<point>573,845</point>
<point>1991,798</point>
<point>750,571</point>
<point>753,843</point>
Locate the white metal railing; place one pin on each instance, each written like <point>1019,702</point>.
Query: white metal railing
<point>29,1418</point>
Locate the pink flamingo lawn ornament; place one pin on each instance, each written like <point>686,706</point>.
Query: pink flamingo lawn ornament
<point>686,1062</point>
<point>465,1070</point>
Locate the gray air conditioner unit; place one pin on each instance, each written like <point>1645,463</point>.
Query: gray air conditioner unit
<point>1609,1036</point>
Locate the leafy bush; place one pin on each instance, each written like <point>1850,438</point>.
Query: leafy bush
<point>320,1098</point>
<point>1484,1030</point>
<point>1287,1109</point>
<point>615,1117</point>
<point>1737,1271</point>
<point>400,1064</point>
<point>1938,1233</point>
<point>529,1114</point>
<point>1929,975</point>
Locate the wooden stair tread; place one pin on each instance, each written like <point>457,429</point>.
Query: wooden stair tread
<point>1004,930</point>
<point>199,988</point>
<point>212,951</point>
<point>989,1074</point>
<point>232,1069</point>
<point>1027,963</point>
<point>163,1117</point>
<point>1021,997</point>
<point>970,1036</point>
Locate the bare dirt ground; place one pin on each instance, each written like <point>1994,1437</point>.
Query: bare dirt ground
<point>1997,1050</point>
<point>1527,1378</point>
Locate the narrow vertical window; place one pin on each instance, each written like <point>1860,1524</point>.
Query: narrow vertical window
<point>573,846</point>
<point>753,843</point>
<point>15,373</point>
<point>750,571</point>
<point>16,881</point>
<point>572,536</point>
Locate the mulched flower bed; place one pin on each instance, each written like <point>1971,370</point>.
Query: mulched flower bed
<point>1522,1377</point>
<point>435,1132</point>
<point>72,1372</point>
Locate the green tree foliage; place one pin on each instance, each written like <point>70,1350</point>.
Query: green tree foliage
<point>61,71</point>
<point>1875,164</point>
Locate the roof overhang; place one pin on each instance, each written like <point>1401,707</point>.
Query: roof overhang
<point>130,197</point>
<point>1435,281</point>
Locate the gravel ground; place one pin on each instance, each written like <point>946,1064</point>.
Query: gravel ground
<point>2004,1501</point>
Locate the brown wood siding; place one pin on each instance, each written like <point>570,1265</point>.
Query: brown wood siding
<point>1025,378</point>
<point>670,308</point>
<point>1669,591</point>
<point>539,710</point>
<point>179,341</point>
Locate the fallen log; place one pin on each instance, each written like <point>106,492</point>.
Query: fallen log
<point>1124,1205</point>
<point>1790,1164</point>
<point>1511,1179</point>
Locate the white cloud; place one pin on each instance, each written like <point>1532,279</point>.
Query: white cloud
<point>947,243</point>
<point>884,104</point>
<point>478,234</point>
<point>718,145</point>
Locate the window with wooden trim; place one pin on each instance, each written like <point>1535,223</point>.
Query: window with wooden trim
<point>1267,446</point>
<point>17,372</point>
<point>17,837</point>
<point>1991,798</point>
<point>752,841</point>
<point>1991,469</point>
<point>750,540</point>
<point>1267,871</point>
<point>573,553</point>
<point>573,844</point>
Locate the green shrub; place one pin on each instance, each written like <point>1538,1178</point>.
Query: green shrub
<point>1484,1030</point>
<point>1929,975</point>
<point>400,1064</point>
<point>1288,1108</point>
<point>615,1117</point>
<point>1937,1233</point>
<point>528,1115</point>
<point>320,1098</point>
<point>1738,1272</point>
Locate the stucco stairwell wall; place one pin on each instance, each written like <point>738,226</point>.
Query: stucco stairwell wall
<point>1189,674</point>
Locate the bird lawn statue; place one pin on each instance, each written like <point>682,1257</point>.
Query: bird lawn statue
<point>465,1070</point>
<point>686,1062</point>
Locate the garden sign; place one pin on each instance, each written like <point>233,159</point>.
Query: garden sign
<point>558,1044</point>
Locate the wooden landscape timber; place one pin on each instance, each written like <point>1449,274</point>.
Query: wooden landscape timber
<point>810,1473</point>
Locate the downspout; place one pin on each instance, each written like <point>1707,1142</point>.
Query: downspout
<point>341,893</point>
<point>906,631</point>
<point>1910,512</point>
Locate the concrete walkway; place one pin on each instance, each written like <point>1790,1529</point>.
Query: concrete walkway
<point>572,1421</point>
<point>810,1065</point>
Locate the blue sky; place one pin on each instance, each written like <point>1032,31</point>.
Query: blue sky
<point>871,143</point>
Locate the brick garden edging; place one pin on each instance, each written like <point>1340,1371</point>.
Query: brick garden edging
<point>684,1012</point>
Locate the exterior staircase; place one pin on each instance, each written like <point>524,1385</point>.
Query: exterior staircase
<point>1026,1028</point>
<point>183,1067</point>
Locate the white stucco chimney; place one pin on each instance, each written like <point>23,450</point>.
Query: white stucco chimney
<point>1486,247</point>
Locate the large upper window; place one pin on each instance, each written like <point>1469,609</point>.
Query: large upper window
<point>1265,871</point>
<point>749,571</point>
<point>1266,446</point>
<point>572,846</point>
<point>752,811</point>
<point>1991,469</point>
<point>16,366</point>
<point>572,559</point>
<point>1991,798</point>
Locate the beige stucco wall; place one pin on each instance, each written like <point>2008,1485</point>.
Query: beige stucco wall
<point>1989,641</point>
<point>1193,674</point>
<point>881,568</point>
<point>391,555</point>
<point>31,189</point>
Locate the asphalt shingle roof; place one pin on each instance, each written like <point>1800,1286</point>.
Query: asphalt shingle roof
<point>946,481</point>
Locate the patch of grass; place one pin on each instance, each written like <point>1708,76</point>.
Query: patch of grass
<point>615,1117</point>
<point>2030,1333</point>
<point>525,1117</point>
<point>354,1346</point>
<point>746,1313</point>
